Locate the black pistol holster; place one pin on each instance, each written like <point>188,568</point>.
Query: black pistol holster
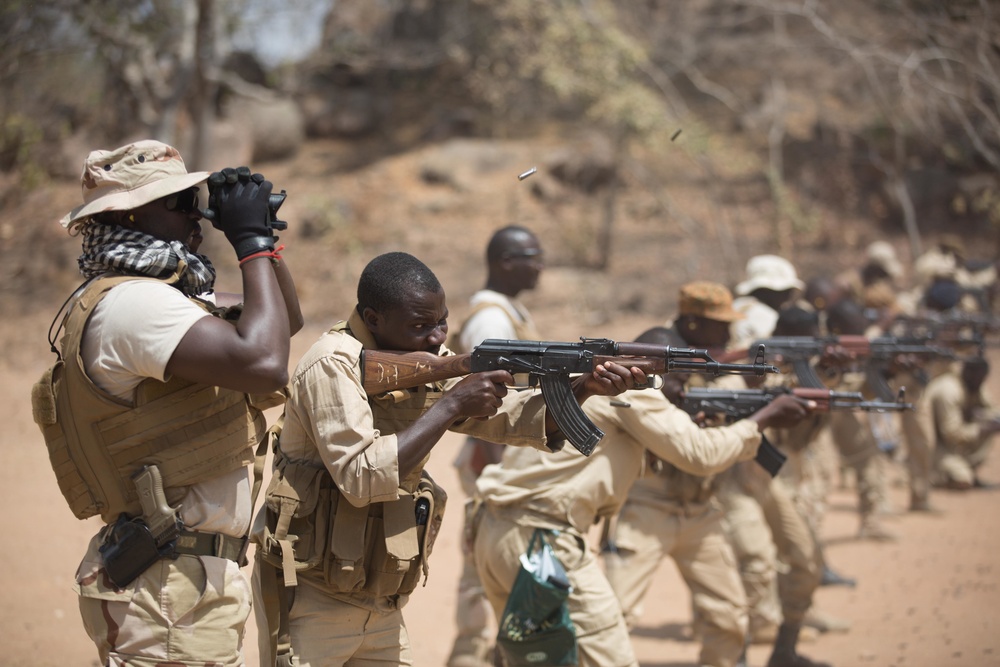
<point>132,544</point>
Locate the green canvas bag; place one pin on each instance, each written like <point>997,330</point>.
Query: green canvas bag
<point>535,628</point>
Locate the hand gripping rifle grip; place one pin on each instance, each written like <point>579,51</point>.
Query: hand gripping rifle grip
<point>769,457</point>
<point>568,415</point>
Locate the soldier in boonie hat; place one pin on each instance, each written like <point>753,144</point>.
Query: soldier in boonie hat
<point>146,346</point>
<point>705,311</point>
<point>769,272</point>
<point>709,300</point>
<point>883,255</point>
<point>770,284</point>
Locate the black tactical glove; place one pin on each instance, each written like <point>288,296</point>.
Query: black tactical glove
<point>238,205</point>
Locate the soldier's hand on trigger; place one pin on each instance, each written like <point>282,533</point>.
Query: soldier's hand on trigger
<point>479,395</point>
<point>701,419</point>
<point>238,205</point>
<point>904,363</point>
<point>783,412</point>
<point>836,356</point>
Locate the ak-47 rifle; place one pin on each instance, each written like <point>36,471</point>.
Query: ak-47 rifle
<point>550,365</point>
<point>951,328</point>
<point>877,353</point>
<point>736,404</point>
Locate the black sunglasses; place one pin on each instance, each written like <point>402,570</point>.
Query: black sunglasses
<point>185,201</point>
<point>530,253</point>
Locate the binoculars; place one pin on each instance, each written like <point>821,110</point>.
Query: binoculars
<point>274,202</point>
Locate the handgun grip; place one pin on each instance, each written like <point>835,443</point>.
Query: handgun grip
<point>158,514</point>
<point>568,415</point>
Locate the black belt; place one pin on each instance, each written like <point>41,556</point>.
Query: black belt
<point>197,543</point>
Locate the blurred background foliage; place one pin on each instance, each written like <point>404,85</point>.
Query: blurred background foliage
<point>884,108</point>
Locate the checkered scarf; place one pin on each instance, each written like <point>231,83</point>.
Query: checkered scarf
<point>113,248</point>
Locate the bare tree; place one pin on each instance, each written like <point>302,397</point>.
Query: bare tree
<point>910,82</point>
<point>149,50</point>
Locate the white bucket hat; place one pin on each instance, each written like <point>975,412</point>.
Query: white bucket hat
<point>769,272</point>
<point>883,254</point>
<point>130,176</point>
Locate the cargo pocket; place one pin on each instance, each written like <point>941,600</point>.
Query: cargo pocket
<point>297,513</point>
<point>395,566</point>
<point>412,525</point>
<point>351,538</point>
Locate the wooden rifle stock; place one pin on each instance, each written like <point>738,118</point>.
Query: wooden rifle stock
<point>383,371</point>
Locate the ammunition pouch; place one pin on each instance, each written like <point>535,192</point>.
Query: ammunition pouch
<point>378,550</point>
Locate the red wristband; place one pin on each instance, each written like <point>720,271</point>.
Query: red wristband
<point>270,254</point>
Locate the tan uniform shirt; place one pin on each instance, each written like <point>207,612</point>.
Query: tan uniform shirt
<point>569,490</point>
<point>758,322</point>
<point>953,409</point>
<point>668,482</point>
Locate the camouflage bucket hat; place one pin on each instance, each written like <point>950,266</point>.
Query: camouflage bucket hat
<point>130,176</point>
<point>709,300</point>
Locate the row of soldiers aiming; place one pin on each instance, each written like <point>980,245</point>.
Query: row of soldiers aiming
<point>895,377</point>
<point>686,442</point>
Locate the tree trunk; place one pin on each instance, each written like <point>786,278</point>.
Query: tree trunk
<point>605,232</point>
<point>899,188</point>
<point>205,87</point>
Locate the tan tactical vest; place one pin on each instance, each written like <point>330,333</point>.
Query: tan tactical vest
<point>193,432</point>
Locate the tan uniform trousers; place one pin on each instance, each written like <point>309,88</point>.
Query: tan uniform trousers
<point>960,467</point>
<point>601,634</point>
<point>692,535</point>
<point>810,473</point>
<point>853,437</point>
<point>473,614</point>
<point>789,536</point>
<point>918,433</point>
<point>188,612</point>
<point>756,554</point>
<point>327,632</point>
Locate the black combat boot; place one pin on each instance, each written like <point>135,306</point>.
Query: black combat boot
<point>784,653</point>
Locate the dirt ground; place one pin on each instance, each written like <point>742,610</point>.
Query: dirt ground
<point>929,599</point>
